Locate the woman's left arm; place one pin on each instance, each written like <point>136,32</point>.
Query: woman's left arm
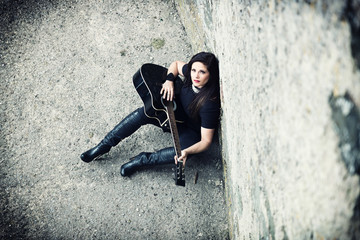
<point>202,145</point>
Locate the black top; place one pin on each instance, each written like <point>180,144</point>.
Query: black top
<point>209,113</point>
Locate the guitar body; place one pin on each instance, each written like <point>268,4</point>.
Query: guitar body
<point>148,82</point>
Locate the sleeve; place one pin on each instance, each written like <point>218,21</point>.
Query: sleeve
<point>210,115</point>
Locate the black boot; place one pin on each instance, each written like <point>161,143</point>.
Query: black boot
<point>164,156</point>
<point>124,129</point>
<point>95,152</point>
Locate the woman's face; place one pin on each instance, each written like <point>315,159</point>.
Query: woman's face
<point>199,74</point>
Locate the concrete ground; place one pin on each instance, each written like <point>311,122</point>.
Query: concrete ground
<point>66,72</point>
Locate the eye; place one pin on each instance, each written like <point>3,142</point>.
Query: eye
<point>202,71</point>
<point>193,70</point>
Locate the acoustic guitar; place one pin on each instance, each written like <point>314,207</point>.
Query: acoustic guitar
<point>148,81</point>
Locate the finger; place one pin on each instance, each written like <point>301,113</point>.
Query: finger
<point>171,95</point>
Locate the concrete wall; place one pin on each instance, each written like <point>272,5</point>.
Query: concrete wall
<point>279,62</point>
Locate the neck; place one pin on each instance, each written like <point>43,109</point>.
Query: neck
<point>195,89</point>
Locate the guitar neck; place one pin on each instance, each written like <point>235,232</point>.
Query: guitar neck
<point>173,128</point>
<point>180,167</point>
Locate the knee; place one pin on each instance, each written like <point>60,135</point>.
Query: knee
<point>141,115</point>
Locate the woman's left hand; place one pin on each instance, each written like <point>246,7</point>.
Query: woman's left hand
<point>183,157</point>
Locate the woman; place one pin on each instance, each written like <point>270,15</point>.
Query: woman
<point>199,108</point>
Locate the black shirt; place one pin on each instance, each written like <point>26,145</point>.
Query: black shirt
<point>209,113</point>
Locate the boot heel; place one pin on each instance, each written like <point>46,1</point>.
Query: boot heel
<point>133,165</point>
<point>95,153</point>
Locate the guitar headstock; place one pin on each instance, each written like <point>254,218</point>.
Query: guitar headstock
<point>180,174</point>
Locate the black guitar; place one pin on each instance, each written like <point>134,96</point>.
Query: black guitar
<point>148,82</point>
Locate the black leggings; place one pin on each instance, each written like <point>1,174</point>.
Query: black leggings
<point>136,119</point>
<point>188,136</point>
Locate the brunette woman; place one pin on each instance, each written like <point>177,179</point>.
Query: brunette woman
<point>198,104</point>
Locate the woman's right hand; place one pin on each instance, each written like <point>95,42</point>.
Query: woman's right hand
<point>167,90</point>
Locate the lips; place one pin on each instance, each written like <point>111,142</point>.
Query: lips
<point>197,81</point>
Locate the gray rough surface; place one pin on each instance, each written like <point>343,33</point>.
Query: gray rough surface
<point>66,79</point>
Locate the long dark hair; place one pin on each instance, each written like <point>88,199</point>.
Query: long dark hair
<point>211,90</point>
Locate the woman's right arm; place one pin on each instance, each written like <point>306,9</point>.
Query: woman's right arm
<point>167,90</point>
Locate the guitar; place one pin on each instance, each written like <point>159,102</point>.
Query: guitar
<point>148,82</point>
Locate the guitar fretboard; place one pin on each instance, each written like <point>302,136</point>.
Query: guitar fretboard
<point>173,128</point>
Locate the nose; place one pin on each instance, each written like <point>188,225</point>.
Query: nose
<point>197,75</point>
